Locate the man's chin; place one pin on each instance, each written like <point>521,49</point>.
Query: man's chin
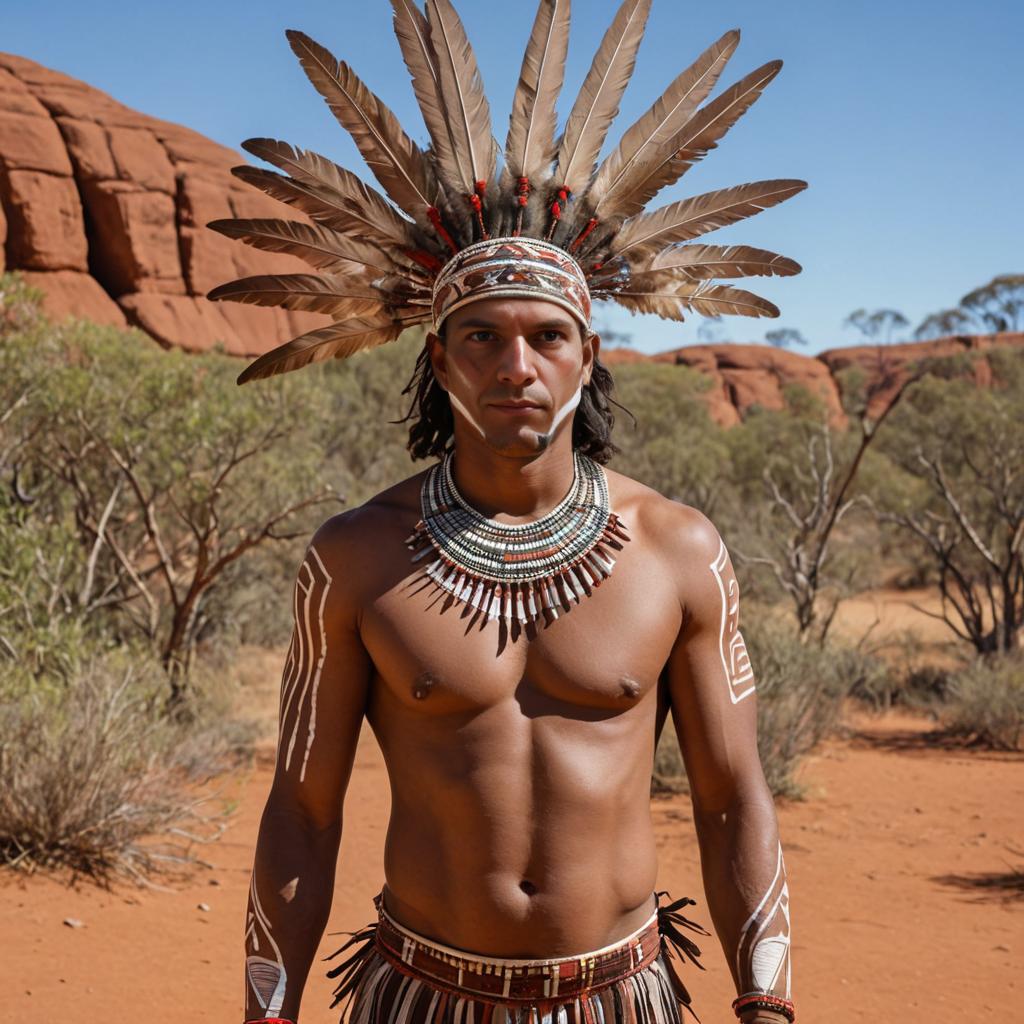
<point>522,443</point>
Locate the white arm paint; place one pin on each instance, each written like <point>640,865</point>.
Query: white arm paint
<point>267,977</point>
<point>735,661</point>
<point>305,661</point>
<point>762,957</point>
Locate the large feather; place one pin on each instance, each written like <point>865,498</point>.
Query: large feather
<point>318,246</point>
<point>697,215</point>
<point>336,210</point>
<point>311,168</point>
<point>313,293</point>
<point>413,34</point>
<point>475,153</point>
<point>704,298</point>
<point>398,163</point>
<point>703,262</point>
<point>530,146</point>
<point>690,144</point>
<point>599,97</point>
<point>651,139</point>
<point>335,340</point>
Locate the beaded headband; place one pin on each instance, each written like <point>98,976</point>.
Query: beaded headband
<point>511,267</point>
<point>384,262</point>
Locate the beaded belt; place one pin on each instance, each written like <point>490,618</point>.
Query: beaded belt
<point>510,981</point>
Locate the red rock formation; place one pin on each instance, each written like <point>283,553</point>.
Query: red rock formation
<point>104,210</point>
<point>747,375</point>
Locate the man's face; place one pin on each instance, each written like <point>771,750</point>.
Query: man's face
<point>513,369</point>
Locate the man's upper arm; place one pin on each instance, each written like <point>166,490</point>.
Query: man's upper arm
<point>326,679</point>
<point>711,684</point>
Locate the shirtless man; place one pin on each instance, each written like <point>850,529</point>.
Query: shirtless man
<point>515,623</point>
<point>520,760</point>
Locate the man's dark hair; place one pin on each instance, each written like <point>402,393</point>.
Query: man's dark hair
<point>432,426</point>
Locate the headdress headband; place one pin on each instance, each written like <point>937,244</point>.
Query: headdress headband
<point>451,228</point>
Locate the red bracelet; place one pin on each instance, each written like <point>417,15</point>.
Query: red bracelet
<point>271,1020</point>
<point>764,1001</point>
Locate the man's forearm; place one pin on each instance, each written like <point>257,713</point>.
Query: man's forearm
<point>289,902</point>
<point>748,896</point>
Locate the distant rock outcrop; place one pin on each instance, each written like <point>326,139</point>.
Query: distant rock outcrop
<point>747,375</point>
<point>103,209</point>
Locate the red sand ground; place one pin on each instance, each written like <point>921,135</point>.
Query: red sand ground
<point>894,860</point>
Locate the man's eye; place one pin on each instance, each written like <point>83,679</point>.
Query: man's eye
<point>482,336</point>
<point>551,335</point>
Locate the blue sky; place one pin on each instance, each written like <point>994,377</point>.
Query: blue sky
<point>905,117</point>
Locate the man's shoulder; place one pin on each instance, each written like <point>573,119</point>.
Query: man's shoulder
<point>682,532</point>
<point>353,534</point>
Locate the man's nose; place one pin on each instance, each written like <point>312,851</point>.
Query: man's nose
<point>516,366</point>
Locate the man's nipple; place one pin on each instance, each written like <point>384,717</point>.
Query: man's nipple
<point>422,685</point>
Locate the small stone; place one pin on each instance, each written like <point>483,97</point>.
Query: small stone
<point>1001,948</point>
<point>214,881</point>
<point>73,922</point>
<point>204,907</point>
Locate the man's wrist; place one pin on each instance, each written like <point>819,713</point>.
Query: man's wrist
<point>763,1008</point>
<point>763,1017</point>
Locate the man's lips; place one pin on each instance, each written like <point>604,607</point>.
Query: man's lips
<point>517,405</point>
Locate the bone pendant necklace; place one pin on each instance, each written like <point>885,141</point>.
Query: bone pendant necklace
<point>521,572</point>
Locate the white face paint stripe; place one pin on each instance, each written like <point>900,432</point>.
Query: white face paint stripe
<point>467,414</point>
<point>569,407</point>
<point>301,685</point>
<point>760,958</point>
<point>731,647</point>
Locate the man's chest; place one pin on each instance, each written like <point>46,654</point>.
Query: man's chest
<point>439,656</point>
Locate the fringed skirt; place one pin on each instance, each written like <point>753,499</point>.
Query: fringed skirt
<point>394,976</point>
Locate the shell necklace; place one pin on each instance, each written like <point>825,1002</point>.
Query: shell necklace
<point>521,572</point>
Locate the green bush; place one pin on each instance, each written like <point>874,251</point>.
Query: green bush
<point>985,703</point>
<point>800,692</point>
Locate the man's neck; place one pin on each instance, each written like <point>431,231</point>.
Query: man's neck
<point>509,488</point>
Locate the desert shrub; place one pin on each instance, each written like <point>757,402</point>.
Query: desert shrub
<point>95,776</point>
<point>800,688</point>
<point>985,703</point>
<point>800,692</point>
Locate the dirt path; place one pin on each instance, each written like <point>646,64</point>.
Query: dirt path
<point>894,862</point>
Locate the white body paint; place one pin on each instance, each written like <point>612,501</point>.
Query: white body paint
<point>738,674</point>
<point>305,659</point>
<point>762,957</point>
<point>267,977</point>
<point>569,407</point>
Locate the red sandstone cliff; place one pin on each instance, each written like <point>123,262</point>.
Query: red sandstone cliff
<point>103,209</point>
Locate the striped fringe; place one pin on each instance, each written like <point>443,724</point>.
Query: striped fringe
<point>372,990</point>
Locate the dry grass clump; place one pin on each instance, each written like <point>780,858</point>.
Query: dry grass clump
<point>94,776</point>
<point>800,691</point>
<point>985,703</point>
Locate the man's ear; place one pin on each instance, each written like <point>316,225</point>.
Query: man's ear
<point>591,347</point>
<point>436,354</point>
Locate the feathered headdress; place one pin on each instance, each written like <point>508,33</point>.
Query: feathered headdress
<point>381,257</point>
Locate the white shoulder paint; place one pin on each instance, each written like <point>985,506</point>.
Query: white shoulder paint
<point>739,676</point>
